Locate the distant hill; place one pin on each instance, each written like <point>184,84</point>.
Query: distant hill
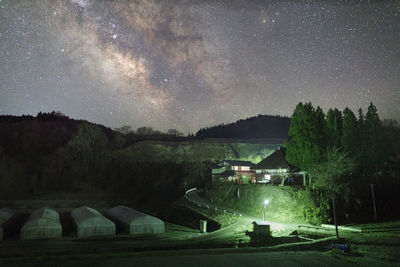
<point>28,138</point>
<point>261,126</point>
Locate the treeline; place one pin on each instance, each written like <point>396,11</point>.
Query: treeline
<point>312,134</point>
<point>44,116</point>
<point>261,126</point>
<point>147,131</point>
<point>343,155</point>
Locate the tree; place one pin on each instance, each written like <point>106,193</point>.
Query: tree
<point>330,173</point>
<point>174,132</point>
<point>307,137</point>
<point>144,131</point>
<point>392,140</point>
<point>350,134</point>
<point>125,129</point>
<point>375,151</point>
<point>87,145</point>
<point>362,142</point>
<point>334,166</point>
<point>334,123</point>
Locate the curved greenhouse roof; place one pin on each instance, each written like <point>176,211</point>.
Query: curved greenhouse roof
<point>42,224</point>
<point>91,223</point>
<point>135,222</point>
<point>5,215</point>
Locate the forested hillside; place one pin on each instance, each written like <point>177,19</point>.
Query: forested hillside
<point>261,126</point>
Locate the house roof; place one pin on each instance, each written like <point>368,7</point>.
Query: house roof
<point>274,161</point>
<point>238,163</point>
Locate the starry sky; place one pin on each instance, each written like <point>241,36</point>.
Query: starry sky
<point>190,64</point>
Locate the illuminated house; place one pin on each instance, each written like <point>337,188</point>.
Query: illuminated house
<point>233,171</point>
<point>272,168</point>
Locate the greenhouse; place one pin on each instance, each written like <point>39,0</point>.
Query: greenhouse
<point>5,215</point>
<point>91,223</point>
<point>135,222</point>
<point>43,223</point>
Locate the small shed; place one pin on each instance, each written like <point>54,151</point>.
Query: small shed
<point>43,223</point>
<point>5,215</point>
<point>91,223</point>
<point>261,228</point>
<point>135,222</point>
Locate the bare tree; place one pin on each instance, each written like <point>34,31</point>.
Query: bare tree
<point>87,144</point>
<point>125,129</point>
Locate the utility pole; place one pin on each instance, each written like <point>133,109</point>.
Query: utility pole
<point>304,178</point>
<point>373,200</point>
<point>265,210</point>
<point>225,151</point>
<point>334,212</point>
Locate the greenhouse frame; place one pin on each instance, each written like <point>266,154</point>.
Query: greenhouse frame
<point>91,223</point>
<point>43,223</point>
<point>135,222</point>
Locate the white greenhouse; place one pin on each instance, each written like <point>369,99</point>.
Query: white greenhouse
<point>5,215</point>
<point>91,223</point>
<point>135,222</point>
<point>43,223</point>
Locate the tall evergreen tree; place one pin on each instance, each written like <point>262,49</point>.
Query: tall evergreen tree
<point>330,122</point>
<point>323,132</point>
<point>375,151</point>
<point>307,137</point>
<point>334,123</point>
<point>361,142</point>
<point>350,134</point>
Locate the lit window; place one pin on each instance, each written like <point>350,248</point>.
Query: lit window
<point>236,168</point>
<point>245,168</point>
<point>267,177</point>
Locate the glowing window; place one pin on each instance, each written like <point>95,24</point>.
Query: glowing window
<point>245,168</point>
<point>267,177</point>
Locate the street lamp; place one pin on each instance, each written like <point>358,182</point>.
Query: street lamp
<point>265,208</point>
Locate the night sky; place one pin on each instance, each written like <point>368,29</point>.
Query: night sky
<point>190,64</point>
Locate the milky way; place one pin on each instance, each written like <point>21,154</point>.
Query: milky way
<point>190,64</point>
